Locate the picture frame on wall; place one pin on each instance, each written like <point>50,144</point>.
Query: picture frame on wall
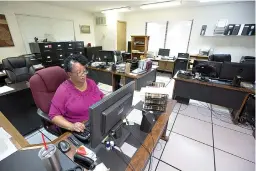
<point>85,29</point>
<point>5,34</point>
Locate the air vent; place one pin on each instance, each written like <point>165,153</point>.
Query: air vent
<point>101,21</point>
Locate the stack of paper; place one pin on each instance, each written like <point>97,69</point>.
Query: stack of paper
<point>6,146</point>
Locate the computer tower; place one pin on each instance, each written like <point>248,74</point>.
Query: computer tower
<point>248,30</point>
<point>180,64</point>
<point>236,29</point>
<point>229,29</point>
<point>129,47</point>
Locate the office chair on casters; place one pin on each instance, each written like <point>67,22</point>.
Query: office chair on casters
<point>43,85</point>
<point>18,69</point>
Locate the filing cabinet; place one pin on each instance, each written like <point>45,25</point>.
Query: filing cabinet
<point>54,53</point>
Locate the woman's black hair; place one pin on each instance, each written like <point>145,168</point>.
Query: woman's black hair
<point>73,59</point>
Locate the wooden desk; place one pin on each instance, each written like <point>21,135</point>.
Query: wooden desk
<point>18,140</point>
<point>141,157</point>
<point>209,92</point>
<point>112,78</point>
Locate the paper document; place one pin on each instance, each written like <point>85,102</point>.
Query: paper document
<point>136,98</point>
<point>101,167</point>
<point>105,87</point>
<point>128,149</point>
<point>135,116</point>
<point>6,148</point>
<point>4,134</point>
<point>5,89</point>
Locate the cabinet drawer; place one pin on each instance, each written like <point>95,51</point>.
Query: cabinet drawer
<point>69,46</point>
<point>46,47</point>
<point>169,66</point>
<point>162,65</point>
<point>79,45</point>
<point>60,46</point>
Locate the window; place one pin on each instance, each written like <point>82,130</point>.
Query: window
<point>170,35</point>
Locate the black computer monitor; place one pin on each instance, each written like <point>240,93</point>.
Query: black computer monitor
<point>109,113</point>
<point>107,56</point>
<point>164,52</point>
<point>231,69</point>
<point>216,65</point>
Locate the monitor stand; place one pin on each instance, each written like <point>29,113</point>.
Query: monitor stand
<point>121,134</point>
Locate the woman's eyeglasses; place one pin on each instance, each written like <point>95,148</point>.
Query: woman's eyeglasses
<point>79,74</point>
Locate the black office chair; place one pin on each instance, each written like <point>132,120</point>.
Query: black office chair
<point>220,58</point>
<point>18,69</point>
<point>247,59</point>
<point>183,55</point>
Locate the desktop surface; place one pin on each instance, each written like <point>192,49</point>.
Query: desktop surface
<point>28,160</point>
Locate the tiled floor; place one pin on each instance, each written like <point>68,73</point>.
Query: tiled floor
<point>202,138</point>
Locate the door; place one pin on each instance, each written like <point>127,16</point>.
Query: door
<point>162,65</point>
<point>169,66</point>
<point>121,35</point>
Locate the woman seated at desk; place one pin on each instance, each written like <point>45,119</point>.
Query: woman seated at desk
<point>71,102</point>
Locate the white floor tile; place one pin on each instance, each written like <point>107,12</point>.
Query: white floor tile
<point>188,155</point>
<point>198,112</point>
<point>176,107</point>
<point>220,109</point>
<point>171,120</point>
<point>198,103</point>
<point>228,124</point>
<point>165,167</point>
<point>234,142</point>
<point>159,149</point>
<point>225,161</point>
<point>37,139</point>
<point>49,135</point>
<point>194,128</point>
<point>153,164</point>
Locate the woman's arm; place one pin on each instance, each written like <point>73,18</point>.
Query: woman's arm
<point>63,123</point>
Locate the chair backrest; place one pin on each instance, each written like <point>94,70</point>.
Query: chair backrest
<point>18,69</point>
<point>220,57</point>
<point>119,57</point>
<point>247,59</point>
<point>43,85</point>
<point>183,55</point>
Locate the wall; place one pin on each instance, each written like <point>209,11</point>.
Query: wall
<point>9,9</point>
<point>243,12</point>
<point>106,36</point>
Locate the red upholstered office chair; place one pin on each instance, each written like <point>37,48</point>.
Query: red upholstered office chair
<point>43,85</point>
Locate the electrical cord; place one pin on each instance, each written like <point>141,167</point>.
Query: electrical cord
<point>130,165</point>
<point>150,154</point>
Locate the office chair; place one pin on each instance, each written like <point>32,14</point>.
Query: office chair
<point>247,59</point>
<point>17,69</point>
<point>43,85</point>
<point>183,55</point>
<point>220,57</point>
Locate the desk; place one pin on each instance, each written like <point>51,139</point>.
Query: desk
<point>141,156</point>
<point>17,139</point>
<point>112,78</point>
<point>19,108</point>
<point>219,94</point>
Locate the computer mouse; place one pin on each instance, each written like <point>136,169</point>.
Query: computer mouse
<point>64,146</point>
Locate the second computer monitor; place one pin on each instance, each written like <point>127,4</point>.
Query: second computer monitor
<point>164,52</point>
<point>107,56</point>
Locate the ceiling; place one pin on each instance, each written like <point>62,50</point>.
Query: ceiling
<point>97,6</point>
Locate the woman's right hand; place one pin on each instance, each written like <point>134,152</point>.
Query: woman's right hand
<point>78,127</point>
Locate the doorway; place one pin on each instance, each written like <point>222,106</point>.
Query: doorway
<point>121,35</point>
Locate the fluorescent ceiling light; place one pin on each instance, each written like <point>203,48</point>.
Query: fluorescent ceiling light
<point>122,9</point>
<point>161,4</point>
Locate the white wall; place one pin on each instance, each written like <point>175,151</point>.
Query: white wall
<point>9,9</point>
<point>236,13</point>
<point>106,36</point>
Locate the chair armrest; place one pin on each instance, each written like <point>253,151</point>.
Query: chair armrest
<point>43,115</point>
